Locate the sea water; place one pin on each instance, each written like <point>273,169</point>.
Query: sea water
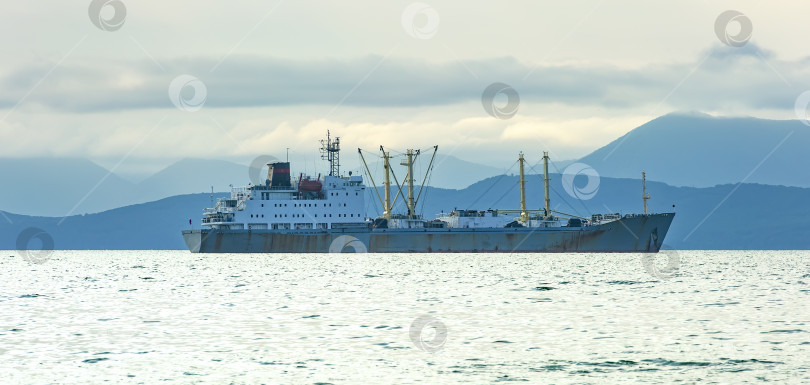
<point>149,317</point>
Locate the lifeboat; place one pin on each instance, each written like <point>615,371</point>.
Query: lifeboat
<point>310,185</point>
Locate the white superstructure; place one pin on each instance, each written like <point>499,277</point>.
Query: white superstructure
<point>286,203</point>
<point>340,200</point>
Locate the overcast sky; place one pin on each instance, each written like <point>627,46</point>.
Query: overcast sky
<point>95,79</point>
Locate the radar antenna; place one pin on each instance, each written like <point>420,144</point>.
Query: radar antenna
<point>330,151</point>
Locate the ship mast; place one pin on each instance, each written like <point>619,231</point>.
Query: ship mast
<point>644,195</point>
<point>409,162</point>
<point>524,215</point>
<point>330,150</point>
<point>387,183</point>
<point>545,185</point>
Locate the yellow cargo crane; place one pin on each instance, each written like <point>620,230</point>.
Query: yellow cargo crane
<point>413,199</point>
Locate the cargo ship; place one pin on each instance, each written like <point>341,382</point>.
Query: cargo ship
<point>327,215</point>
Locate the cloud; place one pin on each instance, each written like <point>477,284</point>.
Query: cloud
<point>239,134</point>
<point>258,104</point>
<point>745,77</point>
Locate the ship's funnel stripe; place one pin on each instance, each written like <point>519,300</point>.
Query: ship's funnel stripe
<point>280,174</point>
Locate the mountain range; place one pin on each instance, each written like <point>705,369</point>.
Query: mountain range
<point>680,149</point>
<point>736,183</point>
<point>698,150</point>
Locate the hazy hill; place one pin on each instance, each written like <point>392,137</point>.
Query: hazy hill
<point>153,225</point>
<point>700,150</point>
<point>54,186</point>
<point>193,176</point>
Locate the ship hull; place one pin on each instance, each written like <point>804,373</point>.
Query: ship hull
<point>641,233</point>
